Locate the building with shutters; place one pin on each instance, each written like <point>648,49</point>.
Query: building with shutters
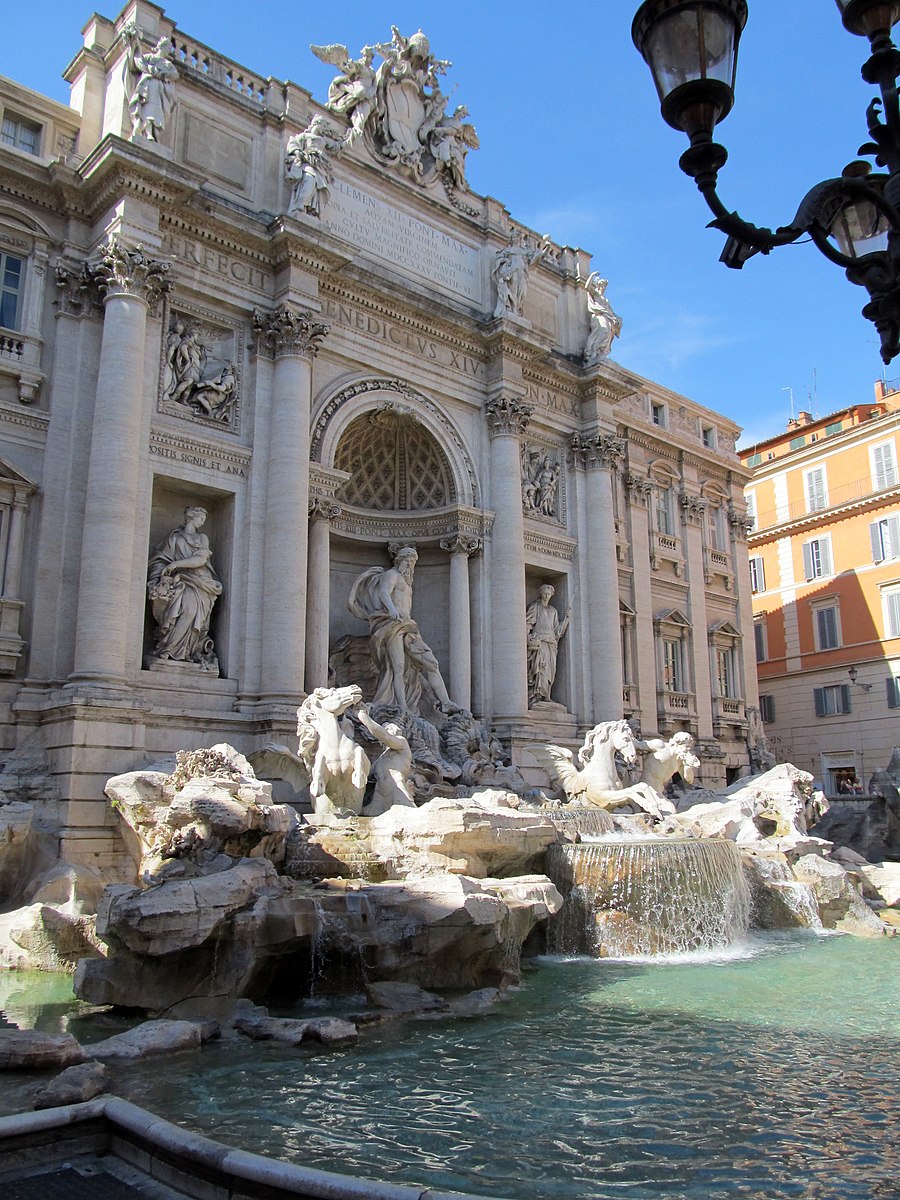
<point>224,302</point>
<point>825,574</point>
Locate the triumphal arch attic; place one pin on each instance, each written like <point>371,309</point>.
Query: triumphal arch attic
<point>263,356</point>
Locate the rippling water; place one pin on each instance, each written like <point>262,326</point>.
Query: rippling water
<point>772,1073</point>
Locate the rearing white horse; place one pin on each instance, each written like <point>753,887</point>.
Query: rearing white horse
<point>337,765</point>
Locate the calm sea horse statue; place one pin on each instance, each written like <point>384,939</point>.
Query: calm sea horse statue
<point>592,780</point>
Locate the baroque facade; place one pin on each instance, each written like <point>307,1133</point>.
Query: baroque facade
<point>270,340</point>
<point>825,573</point>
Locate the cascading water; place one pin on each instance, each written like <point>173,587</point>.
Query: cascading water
<point>626,898</point>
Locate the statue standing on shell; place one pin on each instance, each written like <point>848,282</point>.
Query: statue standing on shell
<point>510,273</point>
<point>183,587</point>
<point>605,324</point>
<point>307,164</point>
<point>383,598</point>
<point>545,631</point>
<point>153,99</point>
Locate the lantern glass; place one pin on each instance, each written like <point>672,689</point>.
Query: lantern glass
<point>694,41</point>
<point>859,227</point>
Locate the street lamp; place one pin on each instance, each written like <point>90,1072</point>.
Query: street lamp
<point>691,47</point>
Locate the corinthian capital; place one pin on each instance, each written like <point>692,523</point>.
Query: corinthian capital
<point>80,288</point>
<point>601,450</point>
<point>458,543</point>
<point>287,331</point>
<point>126,272</point>
<point>506,415</point>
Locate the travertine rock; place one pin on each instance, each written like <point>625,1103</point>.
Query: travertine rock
<point>778,900</point>
<point>41,937</point>
<point>404,997</point>
<point>15,830</point>
<point>30,1050</point>
<point>840,904</point>
<point>73,1086</point>
<point>152,1037</point>
<point>329,1031</point>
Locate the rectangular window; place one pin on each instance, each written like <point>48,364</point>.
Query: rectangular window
<point>709,437</point>
<point>884,466</point>
<point>673,666</point>
<point>757,574</point>
<point>832,701</point>
<point>22,134</point>
<point>817,558</point>
<point>12,271</point>
<point>816,492</point>
<point>750,499</point>
<point>767,709</point>
<point>754,460</point>
<point>658,414</point>
<point>827,629</point>
<point>891,601</point>
<point>885,538</point>
<point>716,524</point>
<point>798,443</point>
<point>893,692</point>
<point>664,510</point>
<point>760,639</point>
<point>725,673</point>
<point>833,428</point>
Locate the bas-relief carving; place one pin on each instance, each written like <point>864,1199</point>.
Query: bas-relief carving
<point>152,99</point>
<point>199,374</point>
<point>544,631</point>
<point>183,587</point>
<point>605,325</point>
<point>401,109</point>
<point>510,272</point>
<point>540,482</point>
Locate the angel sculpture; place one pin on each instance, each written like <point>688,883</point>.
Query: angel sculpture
<point>352,93</point>
<point>595,783</point>
<point>450,141</point>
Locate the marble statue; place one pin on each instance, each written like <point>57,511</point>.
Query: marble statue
<point>544,631</point>
<point>595,783</point>
<point>383,597</point>
<point>450,141</point>
<point>393,767</point>
<point>307,164</point>
<point>153,99</point>
<point>510,272</point>
<point>407,71</point>
<point>605,325</point>
<point>662,759</point>
<point>540,483</point>
<point>183,587</point>
<point>352,93</point>
<point>338,767</point>
<point>470,744</point>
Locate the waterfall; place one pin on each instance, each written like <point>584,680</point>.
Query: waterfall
<point>653,896</point>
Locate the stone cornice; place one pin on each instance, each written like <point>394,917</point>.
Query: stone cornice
<point>824,516</point>
<point>286,331</point>
<point>415,527</point>
<point>539,542</point>
<point>295,244</point>
<point>115,167</point>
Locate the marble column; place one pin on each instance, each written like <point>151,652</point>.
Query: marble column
<point>507,420</point>
<point>599,455</point>
<point>693,509</point>
<point>132,282</point>
<point>460,547</point>
<point>318,591</point>
<point>741,526</point>
<point>640,490</point>
<point>292,338</point>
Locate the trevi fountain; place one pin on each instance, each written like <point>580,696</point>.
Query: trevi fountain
<point>391,947</point>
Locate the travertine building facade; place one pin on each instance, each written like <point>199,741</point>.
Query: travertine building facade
<point>219,294</point>
<point>825,570</point>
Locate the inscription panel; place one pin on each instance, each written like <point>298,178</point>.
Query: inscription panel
<point>400,239</point>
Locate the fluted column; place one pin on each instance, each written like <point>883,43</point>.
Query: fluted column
<point>639,491</point>
<point>598,456</point>
<point>132,281</point>
<point>507,420</point>
<point>292,338</point>
<point>459,548</point>
<point>693,509</point>
<point>318,591</point>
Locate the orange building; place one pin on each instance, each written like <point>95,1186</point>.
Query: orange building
<point>825,576</point>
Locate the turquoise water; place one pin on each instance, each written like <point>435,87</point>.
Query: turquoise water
<point>771,1073</point>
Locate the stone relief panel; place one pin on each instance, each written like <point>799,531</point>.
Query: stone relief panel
<point>541,482</point>
<point>200,368</point>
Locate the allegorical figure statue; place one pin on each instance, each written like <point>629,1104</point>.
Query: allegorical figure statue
<point>605,324</point>
<point>151,103</point>
<point>183,587</point>
<point>307,164</point>
<point>663,758</point>
<point>392,768</point>
<point>352,93</point>
<point>545,631</point>
<point>383,597</point>
<point>510,272</point>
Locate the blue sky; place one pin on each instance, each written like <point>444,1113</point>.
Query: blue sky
<point>573,144</point>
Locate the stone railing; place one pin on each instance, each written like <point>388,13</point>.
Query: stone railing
<point>206,62</point>
<point>12,347</point>
<point>20,356</point>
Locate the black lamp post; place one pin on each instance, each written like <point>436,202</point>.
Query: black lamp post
<point>691,48</point>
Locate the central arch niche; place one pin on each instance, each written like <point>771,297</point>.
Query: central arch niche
<point>395,464</point>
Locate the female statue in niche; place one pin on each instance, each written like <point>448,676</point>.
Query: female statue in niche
<point>183,587</point>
